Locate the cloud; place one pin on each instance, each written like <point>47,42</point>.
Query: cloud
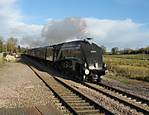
<point>8,15</point>
<point>122,33</point>
<point>11,21</point>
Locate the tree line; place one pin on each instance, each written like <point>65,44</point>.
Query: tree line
<point>116,50</point>
<point>10,45</point>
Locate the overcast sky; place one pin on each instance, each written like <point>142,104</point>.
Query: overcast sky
<point>121,23</point>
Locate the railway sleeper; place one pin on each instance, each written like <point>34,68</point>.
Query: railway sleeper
<point>70,98</point>
<point>75,101</point>
<point>60,88</point>
<point>65,94</point>
<point>78,107</point>
<point>80,104</point>
<point>67,100</point>
<point>68,95</point>
<point>63,91</point>
<point>88,111</point>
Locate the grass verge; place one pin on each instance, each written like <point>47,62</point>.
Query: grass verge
<point>130,68</point>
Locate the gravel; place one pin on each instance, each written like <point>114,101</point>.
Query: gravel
<point>20,87</point>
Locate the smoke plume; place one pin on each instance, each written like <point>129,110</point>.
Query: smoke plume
<point>57,31</point>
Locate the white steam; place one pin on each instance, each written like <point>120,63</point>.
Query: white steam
<point>57,31</point>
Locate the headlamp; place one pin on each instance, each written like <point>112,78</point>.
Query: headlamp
<point>87,71</point>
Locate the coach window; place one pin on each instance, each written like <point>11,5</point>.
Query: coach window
<point>75,53</point>
<point>64,53</point>
<point>50,54</point>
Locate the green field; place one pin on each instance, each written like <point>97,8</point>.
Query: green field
<point>132,56</point>
<point>130,66</point>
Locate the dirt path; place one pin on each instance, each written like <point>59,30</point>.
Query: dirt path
<point>19,87</point>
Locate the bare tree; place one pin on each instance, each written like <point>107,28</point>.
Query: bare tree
<point>11,45</point>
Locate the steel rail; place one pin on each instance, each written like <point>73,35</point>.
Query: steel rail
<point>146,112</point>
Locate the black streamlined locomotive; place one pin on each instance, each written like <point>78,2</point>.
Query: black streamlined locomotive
<point>82,59</point>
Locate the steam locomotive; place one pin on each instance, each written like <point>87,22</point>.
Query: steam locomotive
<point>80,58</point>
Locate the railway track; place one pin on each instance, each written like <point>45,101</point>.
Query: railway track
<point>135,102</point>
<point>73,100</point>
<point>132,96</point>
<point>78,103</point>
